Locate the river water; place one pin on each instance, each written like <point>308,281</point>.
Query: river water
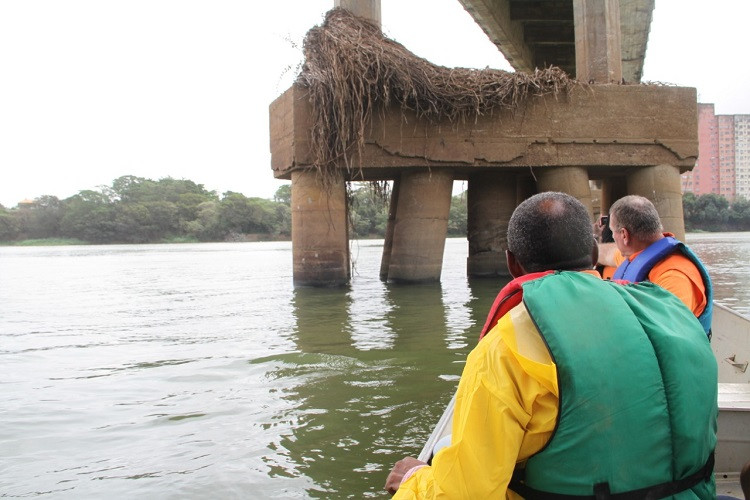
<point>198,371</point>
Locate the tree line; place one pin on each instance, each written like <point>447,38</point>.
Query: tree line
<point>139,210</point>
<point>712,212</point>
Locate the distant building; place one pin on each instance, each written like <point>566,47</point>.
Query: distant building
<point>742,155</point>
<point>26,204</point>
<point>726,157</point>
<point>723,165</point>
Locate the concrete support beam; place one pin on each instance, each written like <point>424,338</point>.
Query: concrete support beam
<point>525,188</point>
<point>493,16</point>
<point>385,261</point>
<point>598,40</point>
<point>635,23</point>
<point>606,197</point>
<point>654,125</point>
<point>613,188</point>
<point>367,9</point>
<point>571,180</point>
<point>420,226</point>
<point>320,236</point>
<point>491,201</point>
<point>661,185</point>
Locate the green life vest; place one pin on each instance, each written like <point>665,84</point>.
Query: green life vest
<point>638,389</point>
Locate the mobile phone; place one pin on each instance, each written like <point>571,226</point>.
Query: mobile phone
<point>604,220</point>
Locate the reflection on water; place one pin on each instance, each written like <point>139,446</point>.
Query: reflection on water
<point>198,371</point>
<point>358,393</point>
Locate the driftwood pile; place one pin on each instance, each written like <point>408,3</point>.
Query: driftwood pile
<point>353,71</point>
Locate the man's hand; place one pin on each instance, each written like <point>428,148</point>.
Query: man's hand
<point>597,228</point>
<point>397,473</point>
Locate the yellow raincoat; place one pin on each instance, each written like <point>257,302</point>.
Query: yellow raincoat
<point>506,408</point>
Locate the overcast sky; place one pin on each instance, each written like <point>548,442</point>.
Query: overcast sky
<point>91,90</point>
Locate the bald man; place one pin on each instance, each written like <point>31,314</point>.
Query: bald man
<point>642,251</point>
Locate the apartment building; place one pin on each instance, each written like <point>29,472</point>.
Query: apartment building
<point>723,165</point>
<point>742,155</point>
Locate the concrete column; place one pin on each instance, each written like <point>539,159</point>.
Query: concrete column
<point>613,188</point>
<point>598,40</point>
<point>320,236</point>
<point>661,185</point>
<point>367,9</point>
<point>420,227</point>
<point>385,261</point>
<point>606,197</point>
<point>571,180</point>
<point>491,201</point>
<point>525,188</point>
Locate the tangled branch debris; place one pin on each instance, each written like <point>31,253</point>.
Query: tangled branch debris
<point>352,71</point>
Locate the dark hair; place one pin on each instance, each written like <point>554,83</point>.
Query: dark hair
<point>551,231</point>
<point>638,215</point>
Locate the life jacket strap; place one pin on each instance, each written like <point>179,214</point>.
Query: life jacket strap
<point>601,490</point>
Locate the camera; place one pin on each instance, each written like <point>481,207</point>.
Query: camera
<point>604,221</point>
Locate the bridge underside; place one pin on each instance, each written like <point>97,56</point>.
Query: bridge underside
<point>635,139</point>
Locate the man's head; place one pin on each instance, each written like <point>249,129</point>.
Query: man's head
<point>635,224</point>
<point>550,231</point>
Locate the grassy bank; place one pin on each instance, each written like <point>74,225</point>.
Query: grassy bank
<point>43,242</point>
<point>49,242</point>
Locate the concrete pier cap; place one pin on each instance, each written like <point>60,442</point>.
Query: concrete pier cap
<point>549,143</point>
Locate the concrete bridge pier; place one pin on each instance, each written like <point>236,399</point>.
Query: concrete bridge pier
<point>419,227</point>
<point>368,9</point>
<point>661,185</point>
<point>612,190</point>
<point>571,180</point>
<point>491,201</point>
<point>320,236</point>
<point>525,188</point>
<point>385,261</point>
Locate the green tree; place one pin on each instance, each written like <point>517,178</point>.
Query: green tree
<point>739,214</point>
<point>368,212</point>
<point>9,230</point>
<point>283,194</point>
<point>458,216</point>
<point>234,213</point>
<point>690,210</point>
<point>89,216</point>
<point>133,223</point>
<point>128,188</point>
<point>713,211</point>
<point>240,214</point>
<point>282,224</point>
<point>206,225</point>
<point>42,220</point>
<point>164,218</point>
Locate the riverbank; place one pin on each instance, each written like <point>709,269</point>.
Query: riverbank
<point>43,242</point>
<point>50,242</point>
<point>233,238</point>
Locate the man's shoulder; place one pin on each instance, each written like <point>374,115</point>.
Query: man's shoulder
<point>676,261</point>
<point>515,334</point>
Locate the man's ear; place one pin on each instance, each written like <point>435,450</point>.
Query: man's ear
<point>515,267</point>
<point>626,239</point>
